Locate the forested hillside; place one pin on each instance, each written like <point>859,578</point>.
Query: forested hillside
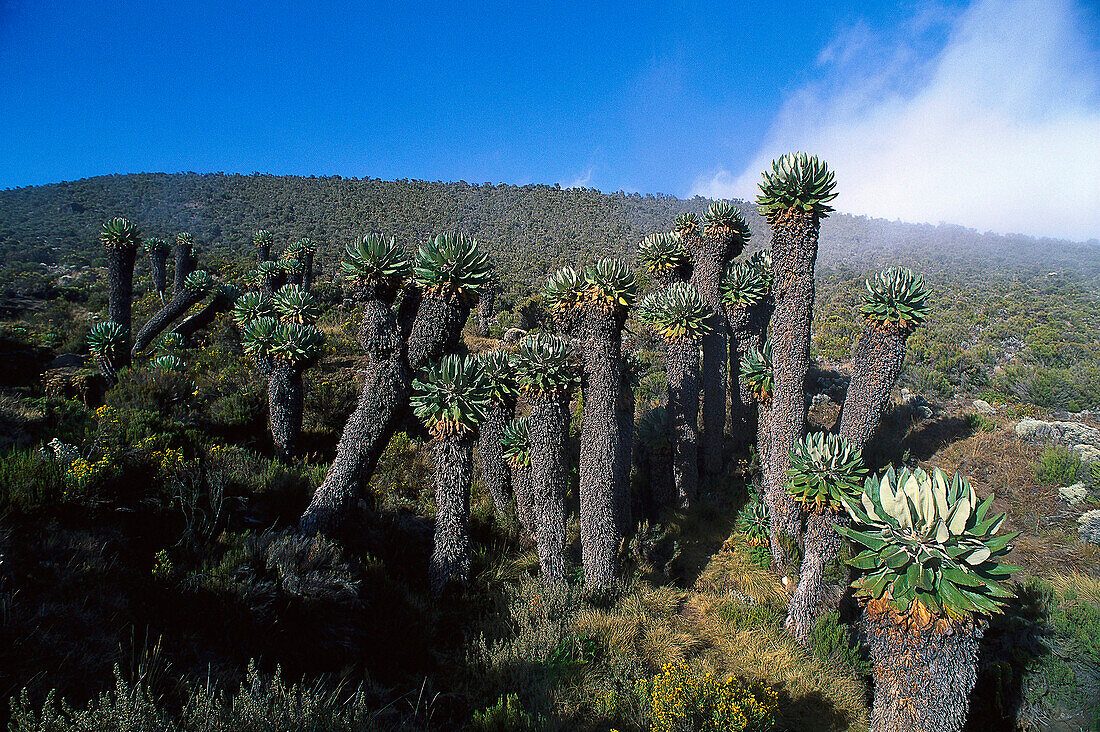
<point>1012,315</point>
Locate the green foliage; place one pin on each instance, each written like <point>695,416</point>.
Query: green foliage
<point>609,284</point>
<point>252,305</point>
<point>295,305</point>
<point>106,340</point>
<point>724,219</point>
<point>686,699</point>
<point>184,237</point>
<point>119,233</point>
<point>497,365</point>
<point>374,262</point>
<point>293,251</point>
<point>652,431</point>
<point>199,281</point>
<point>545,365</point>
<point>305,246</point>
<point>752,523</point>
<point>516,443</point>
<point>825,470</point>
<point>662,252</point>
<point>292,267</point>
<point>833,642</point>
<point>167,362</point>
<point>762,261</point>
<point>1057,465</point>
<point>259,336</point>
<point>797,181</point>
<point>261,238</point>
<point>298,344</point>
<point>896,298</point>
<point>28,481</point>
<point>564,289</point>
<point>928,543</point>
<point>452,396</point>
<point>452,266</point>
<point>507,715</point>
<point>981,422</point>
<point>678,312</point>
<point>156,244</point>
<point>687,223</point>
<point>756,371</point>
<point>744,285</point>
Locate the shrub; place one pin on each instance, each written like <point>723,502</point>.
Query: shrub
<point>507,715</point>
<point>28,481</point>
<point>833,643</point>
<point>684,699</point>
<point>1057,465</point>
<point>980,423</point>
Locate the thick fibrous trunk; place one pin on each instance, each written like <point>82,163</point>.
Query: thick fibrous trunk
<point>204,318</point>
<point>108,369</point>
<point>525,498</point>
<point>922,678</point>
<point>784,518</point>
<point>485,312</point>
<point>284,406</point>
<point>433,327</point>
<point>821,545</point>
<point>120,295</point>
<point>602,468</point>
<point>625,407</point>
<point>494,468</point>
<point>709,256</point>
<point>451,553</point>
<point>794,253</point>
<point>682,368</point>
<point>184,264</point>
<point>158,271</point>
<point>182,300</point>
<point>742,404</point>
<point>307,271</point>
<point>877,360</point>
<point>548,428</point>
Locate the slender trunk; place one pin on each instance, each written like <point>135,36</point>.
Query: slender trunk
<point>922,678</point>
<point>494,468</point>
<point>307,271</point>
<point>525,498</point>
<point>120,295</point>
<point>877,360</point>
<point>742,404</point>
<point>108,369</point>
<point>601,469</point>
<point>182,300</point>
<point>794,253</point>
<point>822,544</point>
<point>682,368</point>
<point>204,318</point>
<point>451,553</point>
<point>434,327</point>
<point>263,253</point>
<point>709,263</point>
<point>284,404</point>
<point>184,264</point>
<point>549,432</point>
<point>485,312</point>
<point>158,271</point>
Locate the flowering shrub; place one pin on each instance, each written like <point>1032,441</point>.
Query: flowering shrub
<point>683,699</point>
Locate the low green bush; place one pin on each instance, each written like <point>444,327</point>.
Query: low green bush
<point>1057,465</point>
<point>29,480</point>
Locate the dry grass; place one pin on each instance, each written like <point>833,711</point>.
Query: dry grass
<point>1084,587</point>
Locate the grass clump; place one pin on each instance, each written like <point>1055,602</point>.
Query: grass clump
<point>1057,465</point>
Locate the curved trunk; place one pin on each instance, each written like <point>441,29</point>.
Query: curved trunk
<point>709,257</point>
<point>182,300</point>
<point>120,295</point>
<point>450,561</point>
<point>602,492</point>
<point>494,468</point>
<point>158,271</point>
<point>307,271</point>
<point>284,404</point>
<point>682,368</point>
<point>794,253</point>
<point>525,498</point>
<point>204,318</point>
<point>549,433</point>
<point>485,312</point>
<point>822,544</point>
<point>922,678</point>
<point>878,357</point>
<point>434,327</point>
<point>108,369</point>
<point>184,264</point>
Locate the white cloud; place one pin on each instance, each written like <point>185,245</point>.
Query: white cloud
<point>997,129</point>
<point>582,180</point>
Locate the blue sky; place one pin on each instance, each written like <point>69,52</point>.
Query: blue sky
<point>678,98</point>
